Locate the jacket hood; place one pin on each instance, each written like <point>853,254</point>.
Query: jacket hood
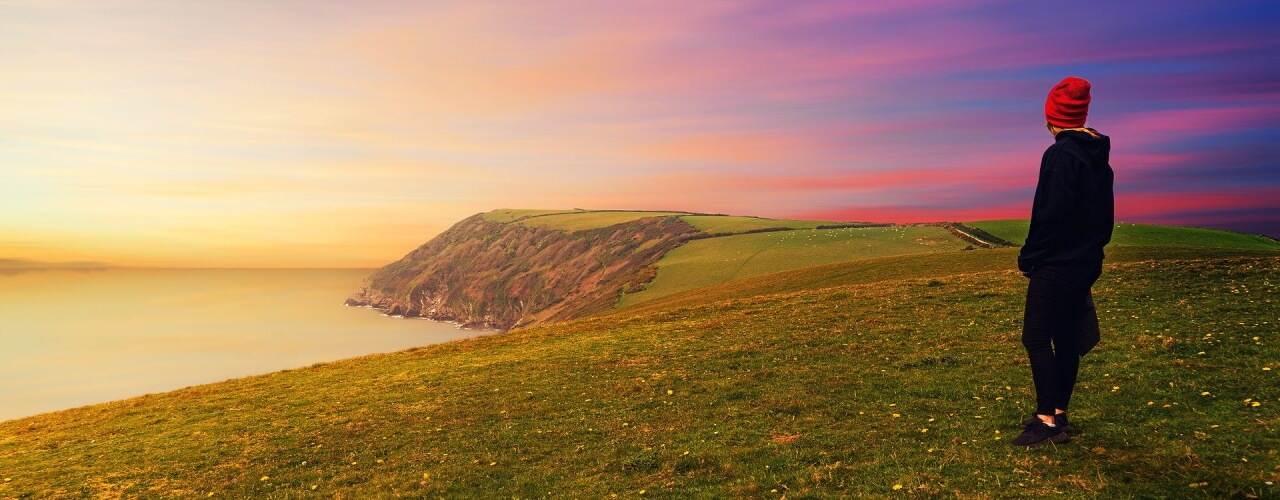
<point>1098,148</point>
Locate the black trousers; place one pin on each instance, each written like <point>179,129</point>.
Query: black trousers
<point>1050,322</point>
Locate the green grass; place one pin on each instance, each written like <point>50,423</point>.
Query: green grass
<point>1011,230</point>
<point>505,215</point>
<point>579,221</point>
<point>712,261</point>
<point>1148,235</point>
<point>709,261</point>
<point>1015,230</point>
<point>845,391</point>
<point>732,224</point>
<point>898,267</point>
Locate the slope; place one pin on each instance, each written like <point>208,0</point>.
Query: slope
<point>584,220</point>
<point>1126,234</point>
<point>899,267</point>
<point>729,224</point>
<point>499,275</point>
<point>520,267</point>
<point>908,387</point>
<point>711,261</point>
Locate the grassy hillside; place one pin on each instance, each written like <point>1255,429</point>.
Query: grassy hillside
<point>505,215</point>
<point>930,265</point>
<point>705,262</point>
<point>494,275</point>
<point>729,224</point>
<point>809,363</point>
<point>1011,230</point>
<point>702,263</point>
<point>519,267</point>
<point>904,388</point>
<point>735,252</point>
<point>1126,234</point>
<point>578,220</point>
<point>581,221</point>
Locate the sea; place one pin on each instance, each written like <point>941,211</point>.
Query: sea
<point>73,338</point>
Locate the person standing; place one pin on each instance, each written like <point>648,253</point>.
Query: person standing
<point>1072,216</point>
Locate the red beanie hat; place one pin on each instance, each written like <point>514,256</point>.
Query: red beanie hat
<point>1068,103</point>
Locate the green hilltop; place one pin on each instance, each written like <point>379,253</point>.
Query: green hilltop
<point>894,370</point>
<point>736,247</point>
<point>518,267</point>
<point>715,260</point>
<point>1147,235</point>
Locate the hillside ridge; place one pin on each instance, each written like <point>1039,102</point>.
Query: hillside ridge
<point>899,388</point>
<point>513,268</point>
<point>486,274</point>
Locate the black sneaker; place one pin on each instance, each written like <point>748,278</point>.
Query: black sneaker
<point>1036,433</point>
<point>1059,419</point>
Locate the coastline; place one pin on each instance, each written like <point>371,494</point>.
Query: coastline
<point>143,331</point>
<point>442,319</point>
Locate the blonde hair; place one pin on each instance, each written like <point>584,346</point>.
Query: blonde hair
<point>1055,130</point>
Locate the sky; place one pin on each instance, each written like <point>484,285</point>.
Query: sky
<point>345,134</point>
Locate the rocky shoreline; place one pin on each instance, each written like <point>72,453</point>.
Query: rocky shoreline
<point>395,310</point>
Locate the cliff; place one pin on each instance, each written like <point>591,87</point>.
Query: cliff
<point>488,274</point>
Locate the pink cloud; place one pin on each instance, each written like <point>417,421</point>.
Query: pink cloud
<point>1165,207</point>
<point>1158,208</point>
<point>1147,128</point>
<point>908,214</point>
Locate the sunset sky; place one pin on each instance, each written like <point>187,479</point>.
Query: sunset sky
<point>343,133</point>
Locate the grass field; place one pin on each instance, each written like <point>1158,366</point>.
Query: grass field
<point>576,220</point>
<point>705,262</point>
<point>579,221</point>
<point>1012,230</point>
<point>879,362</point>
<point>505,215</point>
<point>1015,230</point>
<point>905,388</point>
<point>880,269</point>
<point>731,224</point>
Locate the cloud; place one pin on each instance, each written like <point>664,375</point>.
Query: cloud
<point>284,128</point>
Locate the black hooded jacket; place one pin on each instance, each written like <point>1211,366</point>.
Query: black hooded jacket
<point>1074,209</point>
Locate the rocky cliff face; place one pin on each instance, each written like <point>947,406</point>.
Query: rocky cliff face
<point>487,274</point>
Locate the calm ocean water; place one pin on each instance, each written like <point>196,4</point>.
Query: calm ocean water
<point>71,338</point>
